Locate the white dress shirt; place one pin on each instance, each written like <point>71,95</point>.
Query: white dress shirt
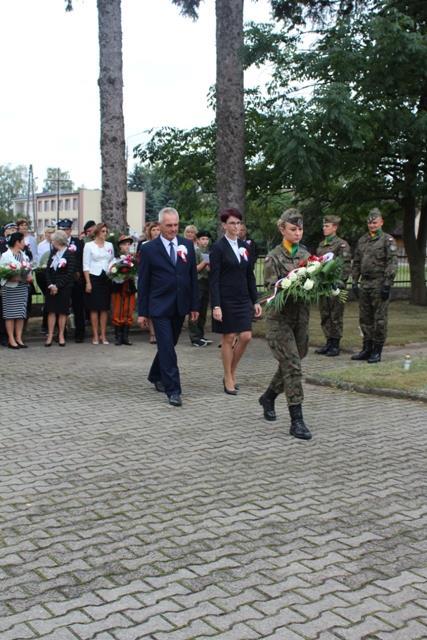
<point>235,246</point>
<point>166,244</point>
<point>96,259</point>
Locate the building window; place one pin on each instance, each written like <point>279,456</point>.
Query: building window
<point>39,205</point>
<point>45,205</point>
<point>53,205</point>
<point>74,203</point>
<point>61,205</point>
<point>67,204</point>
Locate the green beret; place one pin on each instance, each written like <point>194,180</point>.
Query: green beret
<point>293,216</point>
<point>374,214</point>
<point>331,219</point>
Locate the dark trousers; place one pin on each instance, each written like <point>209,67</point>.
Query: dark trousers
<point>197,329</point>
<point>78,307</point>
<point>165,363</point>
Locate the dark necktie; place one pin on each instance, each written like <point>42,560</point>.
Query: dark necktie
<point>172,252</point>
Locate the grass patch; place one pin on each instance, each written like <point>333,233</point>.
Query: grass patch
<point>385,375</point>
<point>406,323</point>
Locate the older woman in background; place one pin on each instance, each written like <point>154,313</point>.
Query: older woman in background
<point>60,270</point>
<point>96,257</point>
<point>15,291</point>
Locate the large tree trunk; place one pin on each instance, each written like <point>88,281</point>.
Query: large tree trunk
<point>415,244</point>
<point>113,155</point>
<point>230,116</point>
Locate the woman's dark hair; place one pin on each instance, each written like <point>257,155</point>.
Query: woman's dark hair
<point>228,213</point>
<point>15,237</point>
<point>98,229</point>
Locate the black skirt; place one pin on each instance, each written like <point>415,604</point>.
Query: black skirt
<point>236,317</point>
<point>99,298</point>
<point>60,303</point>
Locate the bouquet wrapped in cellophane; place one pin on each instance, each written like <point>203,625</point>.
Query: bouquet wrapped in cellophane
<point>123,268</point>
<point>15,271</point>
<point>313,279</point>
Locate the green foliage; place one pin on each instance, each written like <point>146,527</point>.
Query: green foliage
<point>13,182</point>
<point>50,184</point>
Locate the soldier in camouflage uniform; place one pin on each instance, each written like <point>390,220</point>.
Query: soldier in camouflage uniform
<point>375,263</point>
<point>287,330</point>
<point>332,309</point>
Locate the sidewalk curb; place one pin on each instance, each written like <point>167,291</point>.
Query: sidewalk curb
<point>376,391</point>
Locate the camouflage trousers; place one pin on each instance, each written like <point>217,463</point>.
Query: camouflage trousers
<point>373,314</point>
<point>287,337</point>
<point>331,317</point>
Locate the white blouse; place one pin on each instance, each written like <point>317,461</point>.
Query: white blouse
<point>96,259</point>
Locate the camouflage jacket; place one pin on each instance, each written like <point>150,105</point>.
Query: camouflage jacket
<point>341,249</point>
<point>375,260</point>
<point>278,263</point>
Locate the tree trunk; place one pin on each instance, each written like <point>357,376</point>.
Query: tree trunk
<point>113,156</point>
<point>230,116</point>
<point>415,246</point>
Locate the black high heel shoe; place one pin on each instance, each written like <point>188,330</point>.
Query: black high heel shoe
<point>21,345</point>
<point>228,391</point>
<point>12,346</point>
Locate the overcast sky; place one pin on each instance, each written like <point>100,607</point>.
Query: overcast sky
<point>49,109</point>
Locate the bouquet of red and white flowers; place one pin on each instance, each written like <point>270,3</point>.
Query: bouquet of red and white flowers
<point>122,269</point>
<point>16,271</point>
<point>313,279</point>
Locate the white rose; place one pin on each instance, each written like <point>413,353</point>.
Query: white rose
<point>308,284</point>
<point>286,283</point>
<point>312,268</point>
<point>335,292</point>
<point>114,270</point>
<point>292,275</point>
<point>301,271</point>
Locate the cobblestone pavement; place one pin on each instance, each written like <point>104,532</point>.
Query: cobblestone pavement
<point>124,518</point>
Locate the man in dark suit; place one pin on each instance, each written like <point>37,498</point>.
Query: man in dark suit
<point>167,292</point>
<point>77,292</point>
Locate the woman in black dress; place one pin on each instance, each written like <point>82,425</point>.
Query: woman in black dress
<point>233,295</point>
<point>59,283</point>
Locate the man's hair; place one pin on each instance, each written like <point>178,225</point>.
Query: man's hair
<point>166,210</point>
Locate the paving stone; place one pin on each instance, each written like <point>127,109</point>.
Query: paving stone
<point>128,519</point>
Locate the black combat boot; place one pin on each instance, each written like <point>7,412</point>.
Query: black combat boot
<point>365,353</point>
<point>322,351</point>
<point>298,427</point>
<point>376,352</point>
<point>117,336</point>
<point>334,348</point>
<point>267,402</point>
<point>125,336</point>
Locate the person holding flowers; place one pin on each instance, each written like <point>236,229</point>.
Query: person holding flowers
<point>15,278</point>
<point>332,308</point>
<point>287,327</point>
<point>97,256</point>
<point>233,296</point>
<point>122,272</point>
<point>60,269</point>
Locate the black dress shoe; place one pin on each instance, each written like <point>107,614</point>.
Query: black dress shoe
<point>159,386</point>
<point>230,392</point>
<point>175,400</point>
<point>21,345</point>
<point>12,346</point>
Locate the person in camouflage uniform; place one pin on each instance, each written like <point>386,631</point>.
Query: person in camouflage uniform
<point>375,263</point>
<point>332,309</point>
<point>287,330</point>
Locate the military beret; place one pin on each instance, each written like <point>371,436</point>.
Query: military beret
<point>293,216</point>
<point>374,214</point>
<point>65,223</point>
<point>331,219</point>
